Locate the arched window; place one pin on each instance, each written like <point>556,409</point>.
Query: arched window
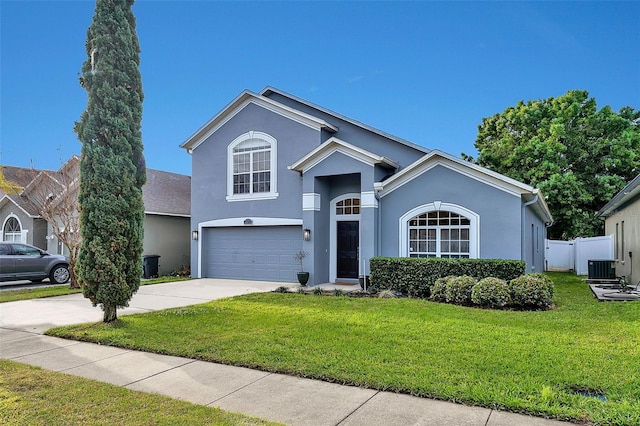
<point>251,171</point>
<point>12,230</point>
<point>440,230</point>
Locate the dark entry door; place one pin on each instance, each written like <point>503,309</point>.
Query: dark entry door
<point>347,238</point>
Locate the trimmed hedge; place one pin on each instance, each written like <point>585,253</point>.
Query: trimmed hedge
<point>414,277</point>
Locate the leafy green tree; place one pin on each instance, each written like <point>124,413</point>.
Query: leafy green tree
<point>577,155</point>
<point>112,168</point>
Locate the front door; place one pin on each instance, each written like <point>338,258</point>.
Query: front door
<point>347,249</point>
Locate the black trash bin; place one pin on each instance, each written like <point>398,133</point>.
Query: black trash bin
<point>150,265</point>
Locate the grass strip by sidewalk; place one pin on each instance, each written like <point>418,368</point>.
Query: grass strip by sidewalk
<point>531,362</point>
<point>63,290</point>
<point>32,396</point>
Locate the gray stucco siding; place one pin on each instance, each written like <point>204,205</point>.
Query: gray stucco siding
<point>499,211</point>
<point>338,164</point>
<point>209,170</point>
<point>209,186</point>
<point>534,233</point>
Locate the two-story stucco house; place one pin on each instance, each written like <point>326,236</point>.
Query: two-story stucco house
<point>273,174</point>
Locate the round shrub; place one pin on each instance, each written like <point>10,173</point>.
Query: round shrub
<point>459,289</point>
<point>439,289</point>
<point>491,292</point>
<point>532,291</point>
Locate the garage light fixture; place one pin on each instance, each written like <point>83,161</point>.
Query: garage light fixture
<point>194,235</point>
<point>248,221</point>
<point>306,234</point>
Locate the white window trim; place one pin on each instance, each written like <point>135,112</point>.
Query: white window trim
<point>474,226</point>
<point>273,193</point>
<point>23,232</point>
<point>333,229</point>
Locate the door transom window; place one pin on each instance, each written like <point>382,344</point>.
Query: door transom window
<point>348,206</point>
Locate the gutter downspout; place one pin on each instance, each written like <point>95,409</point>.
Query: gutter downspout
<point>523,230</point>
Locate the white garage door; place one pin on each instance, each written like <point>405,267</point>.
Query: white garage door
<point>263,253</point>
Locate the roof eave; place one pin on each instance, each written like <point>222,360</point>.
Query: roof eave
<point>246,96</point>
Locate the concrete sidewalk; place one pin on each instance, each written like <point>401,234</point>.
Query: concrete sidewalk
<point>276,397</point>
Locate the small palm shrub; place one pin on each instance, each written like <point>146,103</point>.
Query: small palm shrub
<point>458,290</point>
<point>281,289</point>
<point>439,289</point>
<point>387,294</point>
<point>532,291</point>
<point>491,292</point>
<point>339,292</point>
<point>318,291</point>
<point>301,290</point>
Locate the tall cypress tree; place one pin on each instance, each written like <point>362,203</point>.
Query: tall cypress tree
<point>112,168</point>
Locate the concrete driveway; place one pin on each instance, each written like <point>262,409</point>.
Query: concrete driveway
<point>38,315</point>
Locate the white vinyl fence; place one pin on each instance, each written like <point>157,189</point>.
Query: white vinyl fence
<point>574,255</point>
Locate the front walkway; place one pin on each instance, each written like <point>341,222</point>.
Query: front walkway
<point>276,397</point>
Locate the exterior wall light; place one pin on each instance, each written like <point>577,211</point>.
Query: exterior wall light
<point>194,235</point>
<point>306,234</point>
<point>248,221</point>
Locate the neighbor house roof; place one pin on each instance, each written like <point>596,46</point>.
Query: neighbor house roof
<point>19,175</point>
<point>628,193</point>
<point>20,202</point>
<point>167,194</point>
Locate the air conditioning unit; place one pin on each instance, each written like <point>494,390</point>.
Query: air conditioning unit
<point>602,270</point>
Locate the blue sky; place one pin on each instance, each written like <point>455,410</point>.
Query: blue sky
<point>427,72</point>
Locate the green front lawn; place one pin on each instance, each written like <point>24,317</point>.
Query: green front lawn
<point>63,290</point>
<point>31,396</point>
<point>530,362</point>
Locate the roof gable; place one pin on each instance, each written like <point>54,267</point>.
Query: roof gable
<point>333,145</point>
<point>473,171</point>
<point>244,99</point>
<point>20,202</point>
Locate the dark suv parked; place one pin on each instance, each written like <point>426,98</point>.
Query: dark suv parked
<point>24,262</point>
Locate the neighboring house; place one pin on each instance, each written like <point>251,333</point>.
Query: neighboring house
<point>622,220</point>
<point>273,174</point>
<point>167,228</point>
<point>18,216</point>
<point>166,199</point>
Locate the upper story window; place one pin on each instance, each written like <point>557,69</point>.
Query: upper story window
<point>251,167</point>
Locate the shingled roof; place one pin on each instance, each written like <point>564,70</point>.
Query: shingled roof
<point>19,175</point>
<point>164,193</point>
<point>167,193</point>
